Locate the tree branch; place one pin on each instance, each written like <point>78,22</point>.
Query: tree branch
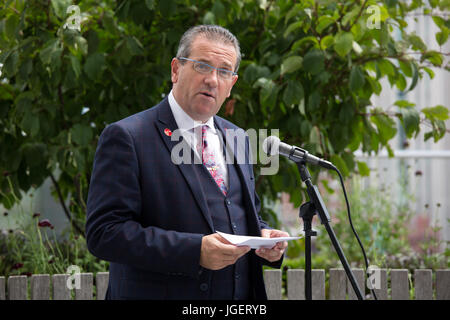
<point>66,211</point>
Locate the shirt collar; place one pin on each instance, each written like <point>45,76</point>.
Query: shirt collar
<point>183,120</point>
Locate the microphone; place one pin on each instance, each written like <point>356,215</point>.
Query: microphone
<point>273,146</point>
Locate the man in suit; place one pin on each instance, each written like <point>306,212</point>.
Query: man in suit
<point>155,220</point>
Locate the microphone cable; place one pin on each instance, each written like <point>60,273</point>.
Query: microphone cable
<point>353,229</point>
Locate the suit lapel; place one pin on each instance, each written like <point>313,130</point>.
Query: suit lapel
<point>167,121</point>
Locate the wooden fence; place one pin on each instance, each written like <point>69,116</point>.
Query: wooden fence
<point>395,284</point>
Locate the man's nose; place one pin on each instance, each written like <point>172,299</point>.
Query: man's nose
<point>212,78</point>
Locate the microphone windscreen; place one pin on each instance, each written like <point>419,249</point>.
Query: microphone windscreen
<point>271,145</point>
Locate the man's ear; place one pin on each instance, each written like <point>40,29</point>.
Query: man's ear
<point>175,68</point>
<point>234,81</point>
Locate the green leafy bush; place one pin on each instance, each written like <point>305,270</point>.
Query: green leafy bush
<point>383,225</point>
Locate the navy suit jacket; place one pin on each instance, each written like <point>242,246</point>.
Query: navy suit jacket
<point>147,215</point>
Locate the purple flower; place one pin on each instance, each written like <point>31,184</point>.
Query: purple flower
<point>17,266</point>
<point>45,223</point>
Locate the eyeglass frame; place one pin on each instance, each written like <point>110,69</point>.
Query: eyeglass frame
<point>211,68</point>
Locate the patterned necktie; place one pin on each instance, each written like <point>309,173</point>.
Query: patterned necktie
<point>208,159</point>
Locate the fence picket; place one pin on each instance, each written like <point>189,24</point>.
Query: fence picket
<point>295,284</point>
<point>17,288</point>
<point>443,284</point>
<point>318,284</point>
<point>399,284</point>
<point>338,284</point>
<point>2,288</point>
<point>359,275</point>
<point>382,293</point>
<point>40,287</point>
<point>60,289</point>
<point>423,284</point>
<point>272,281</point>
<point>85,291</point>
<point>101,282</point>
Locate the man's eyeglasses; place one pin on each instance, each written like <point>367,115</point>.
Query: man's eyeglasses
<point>205,68</point>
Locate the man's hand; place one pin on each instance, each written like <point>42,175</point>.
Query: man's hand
<point>275,253</point>
<point>217,253</point>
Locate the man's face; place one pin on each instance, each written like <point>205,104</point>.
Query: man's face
<point>202,95</point>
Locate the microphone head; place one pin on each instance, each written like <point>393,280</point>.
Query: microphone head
<point>271,145</point>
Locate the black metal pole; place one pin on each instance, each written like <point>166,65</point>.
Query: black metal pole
<point>316,204</point>
<point>308,281</point>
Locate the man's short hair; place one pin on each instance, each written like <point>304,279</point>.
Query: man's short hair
<point>211,32</point>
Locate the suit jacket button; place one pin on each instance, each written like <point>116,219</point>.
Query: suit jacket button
<point>204,287</point>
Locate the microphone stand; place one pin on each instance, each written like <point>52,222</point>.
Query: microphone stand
<point>307,212</point>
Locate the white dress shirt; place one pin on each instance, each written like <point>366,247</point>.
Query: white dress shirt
<point>186,125</point>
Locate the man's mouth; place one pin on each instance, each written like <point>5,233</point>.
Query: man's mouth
<point>207,94</point>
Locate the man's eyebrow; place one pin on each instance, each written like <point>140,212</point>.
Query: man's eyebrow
<point>224,65</point>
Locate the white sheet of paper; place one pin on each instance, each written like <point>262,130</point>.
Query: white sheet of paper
<point>254,242</point>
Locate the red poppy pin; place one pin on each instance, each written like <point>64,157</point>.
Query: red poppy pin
<point>167,132</point>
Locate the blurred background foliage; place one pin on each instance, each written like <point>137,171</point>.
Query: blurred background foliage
<point>309,68</point>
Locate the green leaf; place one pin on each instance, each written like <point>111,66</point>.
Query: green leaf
<point>11,24</point>
<point>417,43</point>
<point>415,76</point>
<point>134,46</point>
<point>313,61</point>
<point>326,42</point>
<point>30,124</point>
<point>291,64</point>
<point>343,43</point>
<point>400,82</point>
<point>314,138</point>
<point>60,7</point>
<point>386,67</point>
<point>11,64</point>
<point>24,102</point>
<point>340,164</point>
<point>439,21</point>
<point>385,125</point>
<point>356,78</point>
<point>438,112</point>
<point>292,27</point>
<point>442,36</point>
<point>363,169</point>
<point>293,93</point>
<point>94,65</point>
<point>404,104</point>
<point>434,57</point>
<point>76,66</point>
<point>323,23</point>
<point>52,52</point>
<point>411,120</point>
<point>406,68</point>
<point>81,134</point>
<point>429,71</point>
<point>299,43</point>
<point>150,4</point>
<point>81,45</point>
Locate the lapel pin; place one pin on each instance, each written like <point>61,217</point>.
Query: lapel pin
<point>167,132</point>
